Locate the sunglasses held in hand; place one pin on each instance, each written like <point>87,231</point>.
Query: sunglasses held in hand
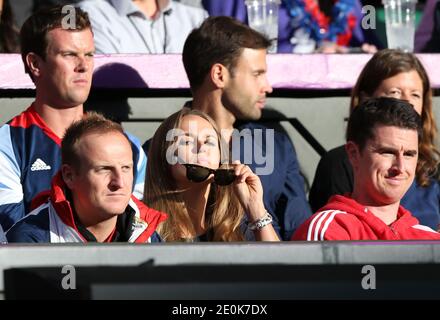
<point>197,173</point>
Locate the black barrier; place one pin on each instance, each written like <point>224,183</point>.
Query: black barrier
<point>231,282</point>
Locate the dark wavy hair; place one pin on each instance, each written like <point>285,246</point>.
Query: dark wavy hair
<point>218,40</point>
<point>381,111</point>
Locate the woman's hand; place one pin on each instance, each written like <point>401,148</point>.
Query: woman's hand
<point>249,190</point>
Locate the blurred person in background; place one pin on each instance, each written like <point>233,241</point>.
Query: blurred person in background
<point>307,26</point>
<point>9,32</point>
<point>141,26</point>
<point>427,37</point>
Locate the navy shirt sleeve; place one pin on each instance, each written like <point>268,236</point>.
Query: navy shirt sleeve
<point>334,175</point>
<point>297,209</point>
<point>284,194</point>
<point>31,229</point>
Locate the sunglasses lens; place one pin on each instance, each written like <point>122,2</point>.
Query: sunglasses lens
<point>223,177</point>
<point>196,173</point>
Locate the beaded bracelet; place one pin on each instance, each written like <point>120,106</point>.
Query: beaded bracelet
<point>262,222</point>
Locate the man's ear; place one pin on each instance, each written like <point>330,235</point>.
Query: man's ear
<point>353,153</point>
<point>33,62</point>
<point>68,175</point>
<point>219,75</point>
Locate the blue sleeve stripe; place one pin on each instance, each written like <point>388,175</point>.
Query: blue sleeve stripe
<point>7,149</point>
<point>10,214</point>
<point>11,190</point>
<point>141,166</point>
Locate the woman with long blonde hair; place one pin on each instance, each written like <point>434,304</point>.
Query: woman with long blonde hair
<point>205,201</point>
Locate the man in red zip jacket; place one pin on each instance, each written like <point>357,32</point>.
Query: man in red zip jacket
<point>91,197</point>
<point>382,146</point>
